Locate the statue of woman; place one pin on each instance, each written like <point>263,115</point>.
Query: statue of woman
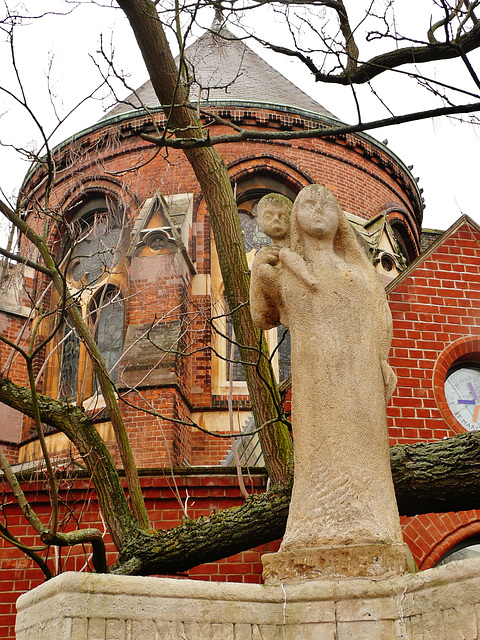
<point>324,289</point>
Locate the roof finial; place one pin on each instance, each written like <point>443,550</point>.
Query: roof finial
<point>218,19</point>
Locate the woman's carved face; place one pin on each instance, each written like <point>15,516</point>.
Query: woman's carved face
<point>317,212</point>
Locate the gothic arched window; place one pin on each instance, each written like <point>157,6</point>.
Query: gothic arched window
<point>108,316</point>
<point>91,252</point>
<point>404,241</point>
<point>95,241</point>
<point>69,366</point>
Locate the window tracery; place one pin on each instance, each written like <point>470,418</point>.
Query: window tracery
<point>109,321</point>
<point>68,379</point>
<point>95,245</point>
<point>91,252</point>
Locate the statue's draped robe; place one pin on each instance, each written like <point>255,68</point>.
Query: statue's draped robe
<point>340,327</point>
<point>343,491</point>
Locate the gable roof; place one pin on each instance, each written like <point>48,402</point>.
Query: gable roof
<point>225,70</point>
<point>463,220</point>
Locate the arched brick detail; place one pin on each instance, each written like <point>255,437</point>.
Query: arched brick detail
<point>462,348</point>
<point>462,533</point>
<point>431,535</point>
<point>397,216</point>
<point>277,168</point>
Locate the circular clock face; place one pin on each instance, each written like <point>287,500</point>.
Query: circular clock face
<point>462,391</point>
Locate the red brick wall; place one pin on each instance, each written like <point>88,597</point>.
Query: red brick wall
<point>206,494</point>
<point>433,307</point>
<point>435,320</point>
<point>208,450</point>
<point>155,441</point>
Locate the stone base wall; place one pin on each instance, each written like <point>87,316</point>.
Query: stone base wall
<point>202,491</point>
<point>438,604</point>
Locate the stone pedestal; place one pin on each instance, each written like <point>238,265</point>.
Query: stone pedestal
<point>355,561</point>
<point>438,604</point>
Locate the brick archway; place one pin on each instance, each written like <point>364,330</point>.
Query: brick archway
<point>431,535</point>
<point>460,534</point>
<point>465,348</point>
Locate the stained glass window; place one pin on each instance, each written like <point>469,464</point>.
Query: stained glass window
<point>97,250</point>
<point>109,318</point>
<point>253,236</point>
<point>233,353</point>
<point>69,367</point>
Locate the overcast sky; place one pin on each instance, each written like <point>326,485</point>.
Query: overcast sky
<point>444,153</point>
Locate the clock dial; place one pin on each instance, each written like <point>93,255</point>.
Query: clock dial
<point>462,391</point>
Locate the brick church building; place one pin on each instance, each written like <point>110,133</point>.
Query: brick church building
<point>145,256</point>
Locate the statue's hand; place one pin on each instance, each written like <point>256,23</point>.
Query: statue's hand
<point>297,265</point>
<point>267,255</point>
<point>389,379</point>
<point>265,294</point>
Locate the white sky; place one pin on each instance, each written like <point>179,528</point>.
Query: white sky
<point>444,153</point>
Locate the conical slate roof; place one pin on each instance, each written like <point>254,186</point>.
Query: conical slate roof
<point>224,69</point>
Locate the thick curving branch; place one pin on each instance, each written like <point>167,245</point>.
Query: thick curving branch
<point>428,477</point>
<point>260,519</point>
<point>77,426</point>
<point>81,536</point>
<point>321,132</point>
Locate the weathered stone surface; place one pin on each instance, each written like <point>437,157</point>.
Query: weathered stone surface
<point>438,604</point>
<point>150,354</point>
<point>355,561</point>
<point>317,281</point>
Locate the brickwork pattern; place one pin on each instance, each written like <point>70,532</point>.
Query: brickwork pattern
<point>432,308</point>
<point>435,321</point>
<point>200,494</point>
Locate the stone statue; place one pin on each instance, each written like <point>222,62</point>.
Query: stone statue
<point>273,216</point>
<point>343,519</point>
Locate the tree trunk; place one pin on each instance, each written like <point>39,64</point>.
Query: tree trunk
<point>437,476</point>
<point>428,477</point>
<point>212,175</point>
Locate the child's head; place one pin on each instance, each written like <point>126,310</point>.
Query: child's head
<point>273,217</point>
